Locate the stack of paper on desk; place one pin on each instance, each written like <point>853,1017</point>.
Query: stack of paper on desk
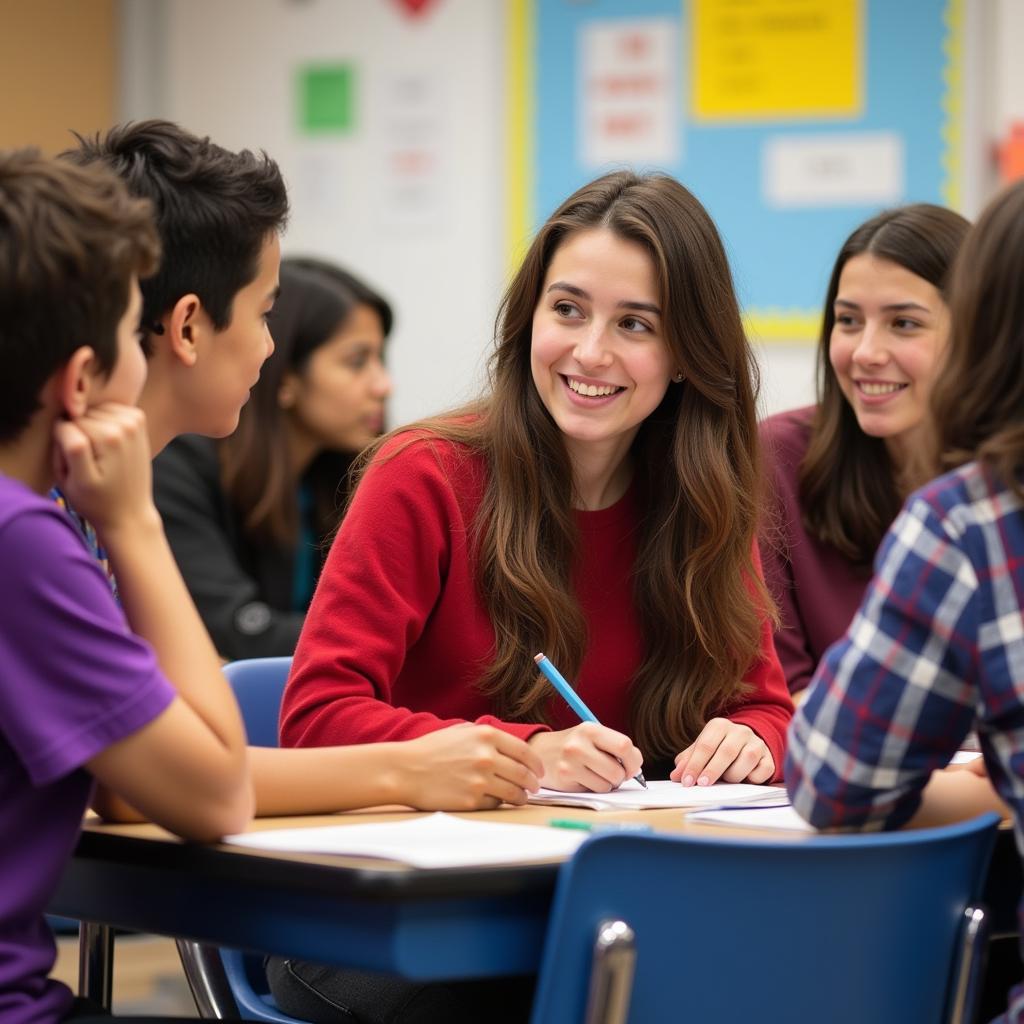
<point>436,841</point>
<point>631,796</point>
<point>777,813</point>
<point>772,816</point>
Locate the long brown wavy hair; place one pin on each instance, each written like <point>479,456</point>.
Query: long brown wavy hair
<point>986,420</point>
<point>700,601</point>
<point>848,487</point>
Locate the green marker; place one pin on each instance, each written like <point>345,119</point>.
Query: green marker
<point>600,826</point>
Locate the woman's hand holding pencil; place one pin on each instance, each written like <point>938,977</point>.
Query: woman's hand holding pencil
<point>588,757</point>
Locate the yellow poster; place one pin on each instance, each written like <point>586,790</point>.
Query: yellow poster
<point>784,59</point>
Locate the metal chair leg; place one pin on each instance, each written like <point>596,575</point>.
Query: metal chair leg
<point>207,981</point>
<point>611,980</point>
<point>96,962</point>
<point>967,979</point>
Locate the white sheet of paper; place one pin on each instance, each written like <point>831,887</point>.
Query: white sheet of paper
<point>965,756</point>
<point>783,819</point>
<point>632,796</point>
<point>437,841</point>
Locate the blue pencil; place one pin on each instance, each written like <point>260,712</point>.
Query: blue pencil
<point>559,682</point>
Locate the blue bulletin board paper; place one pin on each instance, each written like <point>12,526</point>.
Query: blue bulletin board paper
<point>781,255</point>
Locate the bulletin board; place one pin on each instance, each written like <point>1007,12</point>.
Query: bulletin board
<point>791,120</point>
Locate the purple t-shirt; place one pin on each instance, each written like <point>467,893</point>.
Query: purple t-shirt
<point>74,679</point>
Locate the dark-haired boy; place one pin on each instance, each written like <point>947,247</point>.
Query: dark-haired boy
<point>203,321</point>
<point>219,215</point>
<point>133,697</point>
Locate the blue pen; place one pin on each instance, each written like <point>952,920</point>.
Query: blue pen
<point>559,682</point>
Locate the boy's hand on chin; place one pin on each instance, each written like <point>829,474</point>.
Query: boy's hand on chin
<point>102,464</point>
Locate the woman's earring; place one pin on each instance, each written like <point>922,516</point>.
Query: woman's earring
<point>679,378</point>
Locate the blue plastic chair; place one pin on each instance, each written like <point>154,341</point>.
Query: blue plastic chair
<point>225,980</point>
<point>248,981</point>
<point>838,928</point>
<point>258,684</point>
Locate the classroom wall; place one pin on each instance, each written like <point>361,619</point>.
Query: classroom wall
<point>58,69</point>
<point>412,192</point>
<point>408,195</point>
<point>1006,67</point>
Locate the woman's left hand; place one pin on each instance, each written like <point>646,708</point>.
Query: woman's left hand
<point>725,751</point>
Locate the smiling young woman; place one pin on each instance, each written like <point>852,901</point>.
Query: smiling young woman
<point>598,356</point>
<point>599,503</point>
<point>841,469</point>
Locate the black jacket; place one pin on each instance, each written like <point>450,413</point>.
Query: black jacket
<point>243,590</point>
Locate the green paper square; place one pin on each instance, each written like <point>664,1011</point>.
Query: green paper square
<point>327,99</point>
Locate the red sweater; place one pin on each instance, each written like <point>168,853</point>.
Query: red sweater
<point>396,636</point>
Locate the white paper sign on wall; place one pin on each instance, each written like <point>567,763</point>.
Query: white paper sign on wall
<point>850,169</point>
<point>628,92</point>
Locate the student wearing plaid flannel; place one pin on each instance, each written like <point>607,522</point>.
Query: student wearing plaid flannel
<point>938,639</point>
<point>937,646</point>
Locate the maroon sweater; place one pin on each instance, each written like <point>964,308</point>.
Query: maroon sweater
<point>817,588</point>
<point>396,637</point>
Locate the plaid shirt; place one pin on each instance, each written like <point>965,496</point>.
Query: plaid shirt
<point>88,534</point>
<point>936,648</point>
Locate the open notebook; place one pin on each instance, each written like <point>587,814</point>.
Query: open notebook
<point>436,841</point>
<point>631,796</point>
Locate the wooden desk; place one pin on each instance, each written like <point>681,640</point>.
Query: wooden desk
<point>376,915</point>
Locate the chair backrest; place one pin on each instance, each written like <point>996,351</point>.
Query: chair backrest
<point>843,928</point>
<point>259,685</point>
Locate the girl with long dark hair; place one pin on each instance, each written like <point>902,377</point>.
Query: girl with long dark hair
<point>841,469</point>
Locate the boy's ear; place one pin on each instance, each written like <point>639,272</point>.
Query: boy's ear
<point>75,382</point>
<point>183,325</point>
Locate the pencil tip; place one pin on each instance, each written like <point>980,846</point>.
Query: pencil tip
<point>640,778</point>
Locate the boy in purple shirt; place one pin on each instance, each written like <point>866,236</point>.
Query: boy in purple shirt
<point>133,698</point>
